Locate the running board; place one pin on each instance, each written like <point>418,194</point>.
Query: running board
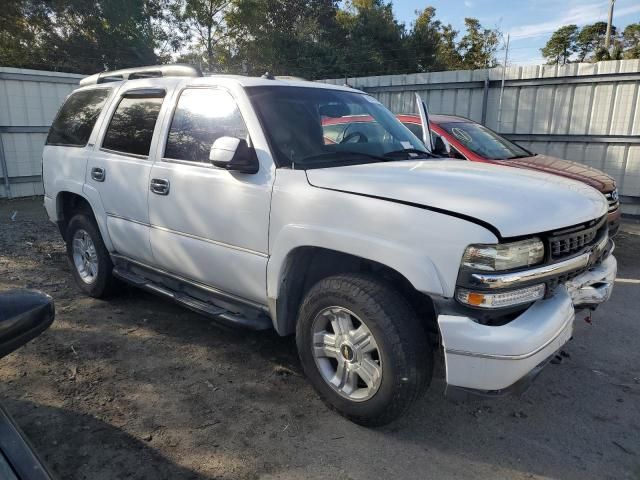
<point>221,315</point>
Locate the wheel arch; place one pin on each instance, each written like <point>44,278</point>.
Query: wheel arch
<point>304,266</point>
<point>69,203</point>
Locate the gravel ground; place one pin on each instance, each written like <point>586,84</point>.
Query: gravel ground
<point>137,387</point>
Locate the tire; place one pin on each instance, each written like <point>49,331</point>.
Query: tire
<point>102,283</point>
<point>403,353</point>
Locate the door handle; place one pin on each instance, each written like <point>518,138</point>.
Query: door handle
<point>160,186</point>
<point>98,174</point>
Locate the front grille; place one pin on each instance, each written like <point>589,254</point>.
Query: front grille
<point>569,242</point>
<point>613,201</point>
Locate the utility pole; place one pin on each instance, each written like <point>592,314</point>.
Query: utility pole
<point>504,69</point>
<point>607,40</point>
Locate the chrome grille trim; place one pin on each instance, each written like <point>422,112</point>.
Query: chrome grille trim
<point>613,204</point>
<point>566,243</point>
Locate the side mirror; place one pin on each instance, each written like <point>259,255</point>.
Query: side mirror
<point>233,153</point>
<point>24,314</point>
<point>440,147</point>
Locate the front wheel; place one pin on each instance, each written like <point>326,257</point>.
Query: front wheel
<point>363,348</point>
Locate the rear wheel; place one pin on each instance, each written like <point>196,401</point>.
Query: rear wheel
<point>88,257</point>
<point>362,348</point>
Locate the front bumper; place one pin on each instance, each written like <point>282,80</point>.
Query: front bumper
<point>490,359</point>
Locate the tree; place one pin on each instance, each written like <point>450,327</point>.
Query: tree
<point>285,37</point>
<point>375,42</point>
<point>22,24</point>
<point>631,41</point>
<point>561,45</point>
<point>478,46</point>
<point>204,21</point>
<point>425,39</point>
<point>591,40</point>
<point>78,36</point>
<point>448,54</point>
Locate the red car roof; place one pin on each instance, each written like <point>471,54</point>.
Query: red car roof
<point>437,119</point>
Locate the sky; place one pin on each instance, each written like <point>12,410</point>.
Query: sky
<point>529,22</point>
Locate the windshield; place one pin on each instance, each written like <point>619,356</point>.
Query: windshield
<point>484,142</point>
<point>319,127</point>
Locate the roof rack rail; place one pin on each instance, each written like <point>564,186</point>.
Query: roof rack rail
<point>290,77</point>
<point>175,70</point>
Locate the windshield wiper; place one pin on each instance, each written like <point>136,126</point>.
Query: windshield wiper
<point>407,151</point>
<point>343,155</point>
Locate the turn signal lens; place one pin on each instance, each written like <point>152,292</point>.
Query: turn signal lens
<point>501,299</point>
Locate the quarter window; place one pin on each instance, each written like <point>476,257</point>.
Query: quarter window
<point>132,124</point>
<point>75,120</point>
<point>201,117</point>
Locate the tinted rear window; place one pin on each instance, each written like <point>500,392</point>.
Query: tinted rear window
<point>77,117</point>
<point>132,124</point>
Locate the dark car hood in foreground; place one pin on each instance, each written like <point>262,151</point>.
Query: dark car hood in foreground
<point>566,168</point>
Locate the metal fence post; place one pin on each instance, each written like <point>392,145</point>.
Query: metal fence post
<point>485,99</point>
<point>5,171</point>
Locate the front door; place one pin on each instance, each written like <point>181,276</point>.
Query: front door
<point>208,224</point>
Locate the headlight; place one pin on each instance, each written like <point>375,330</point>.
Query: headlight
<point>504,256</point>
<point>501,299</point>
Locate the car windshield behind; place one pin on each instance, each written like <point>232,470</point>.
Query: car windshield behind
<point>484,142</point>
<point>319,127</point>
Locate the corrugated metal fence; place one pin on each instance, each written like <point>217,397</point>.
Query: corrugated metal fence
<point>584,112</point>
<point>29,99</point>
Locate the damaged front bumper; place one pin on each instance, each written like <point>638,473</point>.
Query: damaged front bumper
<point>495,360</point>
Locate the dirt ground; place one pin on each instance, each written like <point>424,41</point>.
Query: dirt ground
<point>137,387</point>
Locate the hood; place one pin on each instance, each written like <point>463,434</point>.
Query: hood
<point>516,202</point>
<point>566,168</point>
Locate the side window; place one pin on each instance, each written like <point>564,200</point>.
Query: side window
<point>333,132</point>
<point>201,117</point>
<point>415,128</point>
<point>75,120</point>
<point>132,124</point>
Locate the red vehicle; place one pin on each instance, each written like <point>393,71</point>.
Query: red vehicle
<point>464,139</point>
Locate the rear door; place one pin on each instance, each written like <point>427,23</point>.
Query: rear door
<point>119,168</point>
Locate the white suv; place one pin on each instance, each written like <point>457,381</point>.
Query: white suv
<point>227,194</point>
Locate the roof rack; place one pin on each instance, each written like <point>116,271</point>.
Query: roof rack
<point>175,70</point>
<point>290,77</point>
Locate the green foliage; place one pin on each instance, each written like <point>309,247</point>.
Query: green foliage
<point>285,37</point>
<point>588,44</point>
<point>561,46</point>
<point>309,38</point>
<point>631,40</point>
<point>478,45</point>
<point>374,42</point>
<point>591,40</point>
<point>425,41</point>
<point>79,36</point>
<point>448,52</point>
<point>203,24</point>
